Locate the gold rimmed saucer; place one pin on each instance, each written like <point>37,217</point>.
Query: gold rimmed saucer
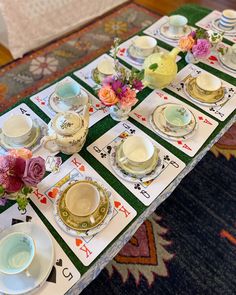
<point>84,223</point>
<point>203,96</point>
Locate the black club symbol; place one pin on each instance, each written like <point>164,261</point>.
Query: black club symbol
<point>137,186</point>
<point>182,84</point>
<point>167,158</point>
<point>231,89</point>
<point>103,155</point>
<point>178,88</point>
<point>132,131</point>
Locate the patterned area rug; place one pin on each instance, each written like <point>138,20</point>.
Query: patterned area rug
<point>188,245</point>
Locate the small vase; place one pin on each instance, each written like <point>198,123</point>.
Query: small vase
<point>119,114</point>
<point>190,59</point>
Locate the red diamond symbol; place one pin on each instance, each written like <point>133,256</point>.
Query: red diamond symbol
<point>179,142</point>
<point>200,118</point>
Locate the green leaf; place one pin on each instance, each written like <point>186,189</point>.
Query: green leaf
<point>153,67</point>
<point>2,191</point>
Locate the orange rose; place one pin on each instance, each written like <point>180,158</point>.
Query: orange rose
<point>23,153</point>
<point>186,43</point>
<point>107,96</point>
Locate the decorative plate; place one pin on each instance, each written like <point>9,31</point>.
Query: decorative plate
<point>130,177</point>
<point>59,106</point>
<point>215,24</point>
<point>92,231</point>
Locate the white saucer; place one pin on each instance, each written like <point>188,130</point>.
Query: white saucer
<point>91,231</point>
<point>164,32</point>
<point>158,124</point>
<point>59,106</point>
<point>225,60</point>
<point>39,269</point>
<point>215,24</point>
<point>33,143</point>
<point>131,178</point>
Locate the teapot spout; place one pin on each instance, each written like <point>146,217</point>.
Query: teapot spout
<point>174,52</point>
<point>86,113</point>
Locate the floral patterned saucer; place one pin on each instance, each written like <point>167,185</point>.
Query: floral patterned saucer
<point>160,126</point>
<point>165,32</point>
<point>132,176</point>
<point>81,226</point>
<point>206,98</point>
<point>39,130</point>
<point>59,106</point>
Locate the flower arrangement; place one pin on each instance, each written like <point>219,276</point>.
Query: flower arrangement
<point>197,43</point>
<point>19,172</point>
<point>120,89</point>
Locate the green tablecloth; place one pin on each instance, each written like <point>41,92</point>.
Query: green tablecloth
<point>194,13</point>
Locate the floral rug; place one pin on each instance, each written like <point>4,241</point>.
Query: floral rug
<point>188,245</point>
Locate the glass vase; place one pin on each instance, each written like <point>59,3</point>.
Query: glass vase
<point>190,59</point>
<point>119,114</point>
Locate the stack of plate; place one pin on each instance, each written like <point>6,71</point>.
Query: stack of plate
<point>77,224</point>
<point>162,128</point>
<point>215,25</point>
<point>166,33</point>
<point>226,62</point>
<point>132,173</point>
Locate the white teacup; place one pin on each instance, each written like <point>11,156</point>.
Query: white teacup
<point>137,150</point>
<point>106,67</point>
<point>68,91</point>
<point>177,24</point>
<point>17,129</point>
<point>228,19</point>
<point>144,45</point>
<point>208,83</point>
<point>17,251</point>
<point>82,199</point>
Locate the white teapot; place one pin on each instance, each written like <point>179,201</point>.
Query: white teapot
<point>67,132</point>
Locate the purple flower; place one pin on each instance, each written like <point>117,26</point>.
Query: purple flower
<point>107,81</point>
<point>34,171</point>
<point>193,34</point>
<point>3,201</point>
<point>119,88</point>
<point>202,49</point>
<point>137,84</point>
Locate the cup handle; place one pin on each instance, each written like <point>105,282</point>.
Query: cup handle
<point>53,147</point>
<point>27,273</point>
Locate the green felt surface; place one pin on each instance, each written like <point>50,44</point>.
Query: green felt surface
<point>194,13</point>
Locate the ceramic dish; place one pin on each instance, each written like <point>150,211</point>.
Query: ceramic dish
<point>95,75</point>
<point>225,60</point>
<point>33,143</point>
<point>84,223</point>
<point>59,106</point>
<point>133,56</point>
<point>215,25</point>
<point>131,177</point>
<point>160,126</point>
<point>207,98</point>
<point>165,32</point>
<point>39,269</point>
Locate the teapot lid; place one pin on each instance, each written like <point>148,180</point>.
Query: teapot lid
<point>67,123</point>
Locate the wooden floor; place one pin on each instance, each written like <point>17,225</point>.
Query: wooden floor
<point>166,6</point>
<point>160,6</point>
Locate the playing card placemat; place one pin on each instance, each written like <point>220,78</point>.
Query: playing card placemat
<point>64,274</point>
<point>154,31</point>
<point>39,131</point>
<point>85,248</point>
<point>142,113</point>
<point>124,54</point>
<point>220,109</point>
<point>42,99</point>
<point>146,192</point>
<point>207,23</point>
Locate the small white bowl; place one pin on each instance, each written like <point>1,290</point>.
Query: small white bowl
<point>208,82</point>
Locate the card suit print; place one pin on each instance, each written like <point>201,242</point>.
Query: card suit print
<point>53,193</point>
<point>59,262</point>
<point>98,105</point>
<point>200,118</point>
<point>78,242</point>
<point>179,142</point>
<point>15,221</point>
<point>117,204</point>
<point>82,168</point>
<point>28,218</point>
<point>53,276</point>
<point>43,200</point>
<point>212,59</point>
<point>91,109</point>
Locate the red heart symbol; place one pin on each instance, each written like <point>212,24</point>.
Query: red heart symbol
<point>179,142</point>
<point>212,57</point>
<point>122,50</point>
<point>165,97</point>
<point>43,103</point>
<point>143,119</point>
<point>91,109</point>
<point>97,105</point>
<point>117,204</point>
<point>212,62</point>
<point>200,118</point>
<point>43,200</point>
<point>78,242</point>
<point>53,193</point>
<point>82,168</point>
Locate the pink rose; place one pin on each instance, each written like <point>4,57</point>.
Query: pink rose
<point>34,171</point>
<point>107,96</point>
<point>202,49</point>
<point>129,99</point>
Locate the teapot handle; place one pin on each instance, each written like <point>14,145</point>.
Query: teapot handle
<point>49,143</point>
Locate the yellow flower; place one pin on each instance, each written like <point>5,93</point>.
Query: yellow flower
<point>186,43</point>
<point>3,90</point>
<point>114,27</point>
